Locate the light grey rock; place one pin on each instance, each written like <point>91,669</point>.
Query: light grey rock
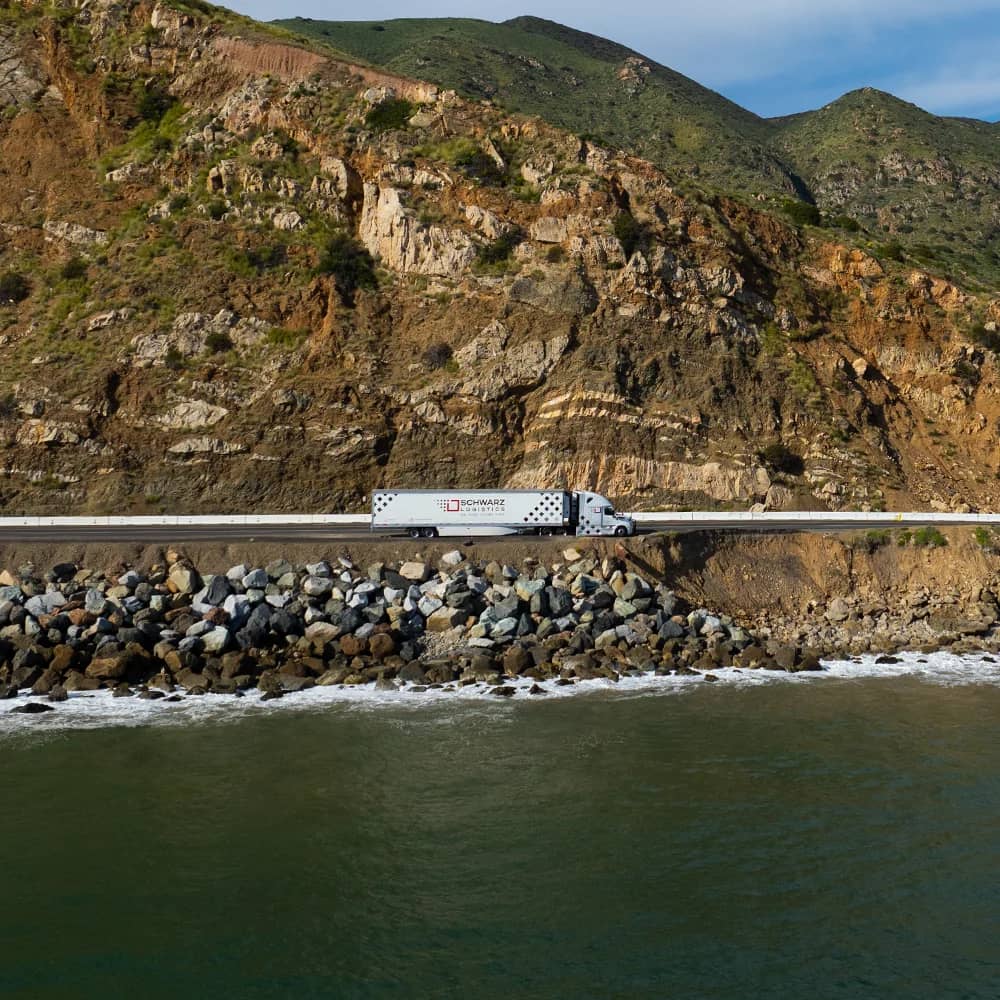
<point>428,605</point>
<point>256,579</point>
<point>526,589</point>
<point>317,586</point>
<point>216,640</point>
<point>711,625</point>
<point>238,608</point>
<point>506,626</point>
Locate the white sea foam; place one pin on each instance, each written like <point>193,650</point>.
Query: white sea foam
<point>92,710</point>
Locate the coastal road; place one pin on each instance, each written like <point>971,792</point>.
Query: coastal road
<point>343,527</point>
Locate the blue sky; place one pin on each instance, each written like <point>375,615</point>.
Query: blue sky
<point>772,56</point>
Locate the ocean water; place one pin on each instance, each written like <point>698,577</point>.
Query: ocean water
<point>832,835</point>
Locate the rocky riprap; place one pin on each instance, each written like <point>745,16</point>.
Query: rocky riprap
<point>280,628</point>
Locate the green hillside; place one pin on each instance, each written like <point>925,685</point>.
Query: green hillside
<point>576,81</point>
<point>928,183</point>
<point>919,186</point>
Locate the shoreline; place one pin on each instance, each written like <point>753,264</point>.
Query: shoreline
<point>446,620</point>
<point>101,709</point>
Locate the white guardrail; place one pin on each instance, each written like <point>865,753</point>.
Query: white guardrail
<point>884,518</point>
<point>180,520</point>
<point>707,518</point>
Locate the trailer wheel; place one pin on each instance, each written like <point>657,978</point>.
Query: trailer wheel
<point>430,532</point>
<point>621,531</point>
<point>415,532</point>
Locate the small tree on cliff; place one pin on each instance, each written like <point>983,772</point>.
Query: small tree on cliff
<point>14,288</point>
<point>349,264</point>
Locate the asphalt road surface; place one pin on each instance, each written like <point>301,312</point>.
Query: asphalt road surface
<point>361,532</point>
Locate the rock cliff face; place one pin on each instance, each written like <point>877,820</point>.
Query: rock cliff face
<point>254,277</point>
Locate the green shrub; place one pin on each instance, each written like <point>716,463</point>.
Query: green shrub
<point>500,249</point>
<point>74,269</point>
<point>772,340</point>
<point>437,355</point>
<point>216,209</point>
<point>8,406</point>
<point>984,537</point>
<point>255,260</point>
<point>218,342</point>
<point>630,234</point>
<point>802,213</point>
<point>389,115</point>
<point>846,223</point>
<point>179,202</point>
<point>152,102</point>
<point>173,359</point>
<point>966,371</point>
<point>555,254</point>
<point>160,144</point>
<point>779,457</point>
<point>349,264</point>
<point>929,536</point>
<point>891,251</point>
<point>480,166</point>
<point>284,338</point>
<point>877,538</point>
<point>14,288</point>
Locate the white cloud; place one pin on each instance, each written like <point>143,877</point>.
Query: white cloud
<point>964,79</point>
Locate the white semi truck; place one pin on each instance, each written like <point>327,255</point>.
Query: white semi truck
<point>429,513</point>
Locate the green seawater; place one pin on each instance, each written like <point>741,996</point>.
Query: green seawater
<point>832,840</point>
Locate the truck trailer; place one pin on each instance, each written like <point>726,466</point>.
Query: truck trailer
<point>430,513</point>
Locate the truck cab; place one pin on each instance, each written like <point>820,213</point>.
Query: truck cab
<point>597,516</point>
